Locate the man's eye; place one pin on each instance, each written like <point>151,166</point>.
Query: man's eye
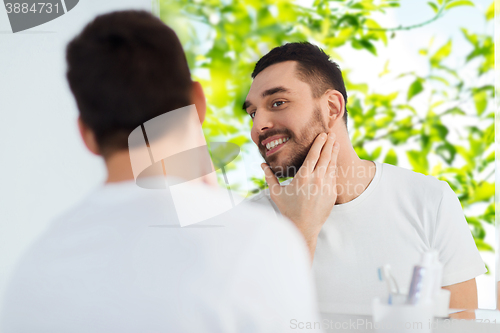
<point>252,115</point>
<point>280,103</point>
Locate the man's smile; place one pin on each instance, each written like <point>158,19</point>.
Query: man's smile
<point>274,143</point>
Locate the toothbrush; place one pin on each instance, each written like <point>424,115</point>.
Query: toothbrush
<point>384,274</point>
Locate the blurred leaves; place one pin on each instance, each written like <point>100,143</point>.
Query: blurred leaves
<point>490,12</point>
<point>415,88</point>
<point>440,54</point>
<point>457,3</point>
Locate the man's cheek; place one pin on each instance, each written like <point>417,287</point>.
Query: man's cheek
<point>255,138</point>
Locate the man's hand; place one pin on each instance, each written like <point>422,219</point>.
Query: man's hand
<point>309,198</point>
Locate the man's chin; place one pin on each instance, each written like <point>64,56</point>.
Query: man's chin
<point>283,165</point>
<point>281,171</point>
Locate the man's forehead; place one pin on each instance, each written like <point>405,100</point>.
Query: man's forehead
<point>282,75</point>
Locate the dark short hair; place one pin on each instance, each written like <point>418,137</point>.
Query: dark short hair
<point>313,67</point>
<point>126,68</point>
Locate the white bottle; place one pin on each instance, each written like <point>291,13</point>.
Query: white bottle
<point>437,269</point>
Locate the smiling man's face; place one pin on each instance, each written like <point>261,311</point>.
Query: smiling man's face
<point>286,117</point>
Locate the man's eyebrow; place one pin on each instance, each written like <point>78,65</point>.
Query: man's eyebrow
<point>267,92</point>
<point>274,90</point>
<point>246,104</point>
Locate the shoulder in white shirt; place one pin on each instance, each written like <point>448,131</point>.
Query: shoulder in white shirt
<point>120,262</point>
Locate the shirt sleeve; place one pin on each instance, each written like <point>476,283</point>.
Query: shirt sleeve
<point>273,288</point>
<point>453,239</point>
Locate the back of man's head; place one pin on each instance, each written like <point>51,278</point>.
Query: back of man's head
<point>126,68</point>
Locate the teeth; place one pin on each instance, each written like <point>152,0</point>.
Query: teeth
<point>272,144</point>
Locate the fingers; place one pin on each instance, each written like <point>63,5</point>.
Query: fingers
<point>313,155</point>
<point>325,157</point>
<point>332,166</point>
<point>271,179</point>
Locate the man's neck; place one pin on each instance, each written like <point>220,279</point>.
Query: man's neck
<point>120,170</point>
<point>119,167</point>
<point>353,174</point>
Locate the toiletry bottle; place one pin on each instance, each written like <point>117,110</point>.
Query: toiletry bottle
<point>422,282</point>
<point>437,269</point>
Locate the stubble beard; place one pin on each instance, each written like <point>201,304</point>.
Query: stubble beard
<point>300,147</point>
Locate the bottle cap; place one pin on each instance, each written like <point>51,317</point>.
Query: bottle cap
<point>429,258</point>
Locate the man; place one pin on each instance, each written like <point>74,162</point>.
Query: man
<point>119,261</point>
<point>382,215</point>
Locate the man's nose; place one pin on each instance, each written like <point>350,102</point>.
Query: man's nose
<point>262,122</point>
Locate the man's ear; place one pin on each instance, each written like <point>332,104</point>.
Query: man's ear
<point>336,106</point>
<point>88,137</point>
<point>198,98</point>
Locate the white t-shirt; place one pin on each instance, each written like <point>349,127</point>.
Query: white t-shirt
<point>120,262</point>
<point>400,215</point>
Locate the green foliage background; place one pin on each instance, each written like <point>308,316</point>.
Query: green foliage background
<point>239,32</point>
